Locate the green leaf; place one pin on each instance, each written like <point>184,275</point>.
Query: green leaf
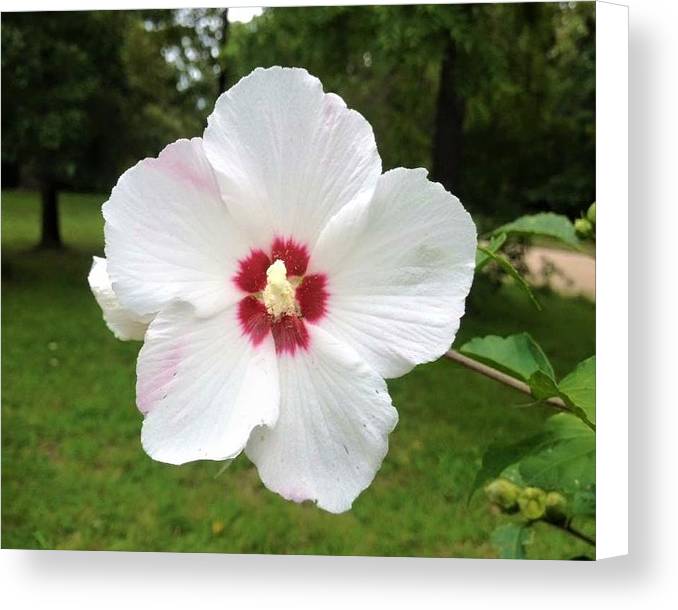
<point>498,458</point>
<point>516,355</point>
<point>579,387</point>
<point>542,386</point>
<point>561,458</point>
<point>546,224</point>
<point>482,255</point>
<point>583,503</point>
<point>566,459</point>
<point>510,540</point>
<point>509,269</point>
<point>521,357</point>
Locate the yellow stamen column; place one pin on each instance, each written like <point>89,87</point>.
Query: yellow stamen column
<point>279,294</point>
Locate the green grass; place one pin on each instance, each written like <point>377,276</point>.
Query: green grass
<point>74,475</point>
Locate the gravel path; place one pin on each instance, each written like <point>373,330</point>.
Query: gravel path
<point>574,273</point>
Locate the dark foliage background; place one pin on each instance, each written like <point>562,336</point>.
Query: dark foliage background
<point>496,100</point>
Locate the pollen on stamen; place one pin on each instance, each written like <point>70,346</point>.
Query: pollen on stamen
<point>279,295</point>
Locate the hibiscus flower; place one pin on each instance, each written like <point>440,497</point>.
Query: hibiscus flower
<point>284,277</point>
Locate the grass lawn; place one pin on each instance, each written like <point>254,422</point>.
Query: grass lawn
<point>74,475</point>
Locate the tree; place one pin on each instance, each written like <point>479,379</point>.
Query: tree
<point>497,100</point>
<point>86,94</point>
<point>222,83</point>
<point>195,49</point>
<point>56,73</point>
<point>447,139</point>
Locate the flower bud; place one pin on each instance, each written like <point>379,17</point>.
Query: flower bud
<point>556,507</point>
<point>591,214</point>
<point>532,503</point>
<point>583,227</point>
<point>503,493</point>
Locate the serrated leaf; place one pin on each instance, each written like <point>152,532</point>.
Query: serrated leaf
<point>579,387</point>
<point>521,357</point>
<point>545,224</point>
<point>510,540</point>
<point>510,270</point>
<point>517,355</point>
<point>566,459</point>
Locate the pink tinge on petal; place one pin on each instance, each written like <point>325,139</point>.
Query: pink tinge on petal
<point>251,276</point>
<point>254,319</point>
<point>151,389</point>
<point>290,334</point>
<point>312,297</point>
<point>295,494</point>
<point>294,255</point>
<point>177,162</point>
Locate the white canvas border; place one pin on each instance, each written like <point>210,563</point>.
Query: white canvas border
<point>612,250</point>
<point>78,579</point>
<point>611,279</point>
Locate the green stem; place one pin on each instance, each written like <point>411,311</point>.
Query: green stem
<point>573,532</point>
<point>516,384</point>
<point>488,371</point>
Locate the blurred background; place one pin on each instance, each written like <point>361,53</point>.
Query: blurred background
<point>497,101</point>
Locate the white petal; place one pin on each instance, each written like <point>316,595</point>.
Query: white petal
<point>399,272</point>
<point>124,324</point>
<point>169,235</point>
<point>289,156</point>
<point>332,431</point>
<point>203,386</point>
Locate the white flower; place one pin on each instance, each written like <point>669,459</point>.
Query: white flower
<point>124,324</point>
<point>286,277</point>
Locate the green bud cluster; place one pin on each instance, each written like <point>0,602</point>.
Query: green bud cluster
<point>532,502</point>
<point>583,227</point>
<point>504,494</point>
<point>556,507</point>
<point>586,225</point>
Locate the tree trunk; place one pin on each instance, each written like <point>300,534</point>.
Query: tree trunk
<point>223,67</point>
<point>447,139</point>
<point>51,233</point>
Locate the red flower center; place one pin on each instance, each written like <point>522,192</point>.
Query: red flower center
<point>289,330</point>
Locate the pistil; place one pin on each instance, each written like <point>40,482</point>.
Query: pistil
<point>279,296</point>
